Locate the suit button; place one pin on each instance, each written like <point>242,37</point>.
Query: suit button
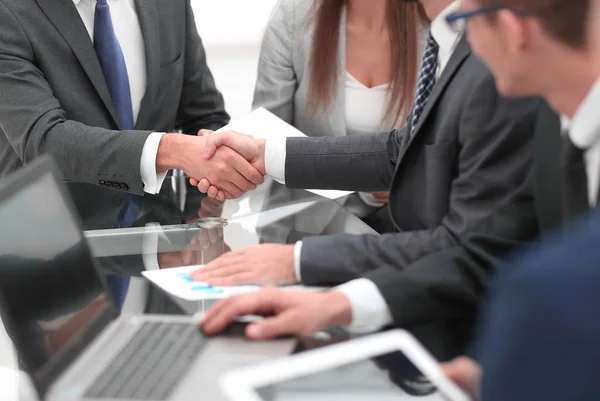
<point>124,187</point>
<point>109,184</point>
<point>101,182</point>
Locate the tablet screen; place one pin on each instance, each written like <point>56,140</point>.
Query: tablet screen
<point>387,377</point>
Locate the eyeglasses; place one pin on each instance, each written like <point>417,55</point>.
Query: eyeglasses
<point>457,20</point>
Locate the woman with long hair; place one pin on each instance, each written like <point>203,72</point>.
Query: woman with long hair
<point>341,67</point>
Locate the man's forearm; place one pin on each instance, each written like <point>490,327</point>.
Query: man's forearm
<point>363,163</point>
<point>108,156</point>
<point>171,152</point>
<point>363,253</point>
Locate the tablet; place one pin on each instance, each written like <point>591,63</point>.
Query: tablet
<point>387,366</point>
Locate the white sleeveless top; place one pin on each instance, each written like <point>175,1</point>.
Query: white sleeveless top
<point>365,111</point>
<point>365,107</point>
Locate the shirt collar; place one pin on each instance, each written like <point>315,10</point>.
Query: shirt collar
<point>585,126</point>
<point>443,34</point>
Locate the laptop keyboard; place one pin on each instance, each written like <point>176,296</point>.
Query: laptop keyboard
<point>151,364</point>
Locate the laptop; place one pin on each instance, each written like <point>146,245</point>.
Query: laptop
<point>64,321</point>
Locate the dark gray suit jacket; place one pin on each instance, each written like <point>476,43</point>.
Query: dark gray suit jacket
<point>447,286</point>
<point>54,98</point>
<point>470,153</point>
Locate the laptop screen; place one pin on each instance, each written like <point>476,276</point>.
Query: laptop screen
<point>53,302</point>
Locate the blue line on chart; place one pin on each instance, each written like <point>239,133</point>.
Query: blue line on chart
<point>208,289</point>
<point>186,277</point>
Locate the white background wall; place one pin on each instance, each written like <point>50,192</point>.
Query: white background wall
<point>232,31</point>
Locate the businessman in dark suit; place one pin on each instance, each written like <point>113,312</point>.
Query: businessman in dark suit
<point>102,84</point>
<point>448,286</point>
<point>465,152</point>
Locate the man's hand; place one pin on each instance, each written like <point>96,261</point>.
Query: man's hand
<point>290,313</point>
<point>251,149</point>
<point>210,207</point>
<point>381,197</point>
<point>169,260</point>
<point>261,264</point>
<point>466,374</point>
<point>224,168</point>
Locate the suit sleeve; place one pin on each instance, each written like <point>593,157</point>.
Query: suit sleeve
<point>494,158</point>
<point>355,163</point>
<point>33,121</point>
<point>202,105</point>
<point>451,284</point>
<point>276,82</point>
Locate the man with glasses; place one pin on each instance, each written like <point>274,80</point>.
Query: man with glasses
<point>384,285</point>
<point>539,338</point>
<point>532,47</point>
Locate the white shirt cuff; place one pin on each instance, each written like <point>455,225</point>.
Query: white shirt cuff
<point>275,154</point>
<point>152,180</point>
<point>297,260</point>
<point>152,232</point>
<point>369,309</point>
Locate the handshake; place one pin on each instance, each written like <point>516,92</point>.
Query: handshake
<point>230,163</point>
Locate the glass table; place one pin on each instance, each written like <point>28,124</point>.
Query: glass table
<point>181,227</point>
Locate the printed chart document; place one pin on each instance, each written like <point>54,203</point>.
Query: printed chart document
<point>178,283</point>
<point>262,124</point>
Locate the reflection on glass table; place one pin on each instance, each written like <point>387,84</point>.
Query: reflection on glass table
<point>182,227</point>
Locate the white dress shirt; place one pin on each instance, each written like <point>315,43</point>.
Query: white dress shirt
<point>585,134</point>
<point>369,309</point>
<point>129,34</point>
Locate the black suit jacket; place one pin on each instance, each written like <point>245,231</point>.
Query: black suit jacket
<point>469,153</point>
<point>55,98</point>
<point>447,287</point>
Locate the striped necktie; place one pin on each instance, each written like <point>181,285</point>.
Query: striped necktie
<point>426,81</point>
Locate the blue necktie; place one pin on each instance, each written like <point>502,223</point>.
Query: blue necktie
<point>113,65</point>
<point>114,69</point>
<point>426,81</point>
<point>119,285</point>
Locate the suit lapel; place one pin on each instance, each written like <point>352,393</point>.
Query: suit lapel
<point>66,20</point>
<point>458,56</point>
<point>546,171</point>
<point>148,16</point>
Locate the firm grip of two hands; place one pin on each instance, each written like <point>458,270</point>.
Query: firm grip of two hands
<point>203,184</point>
